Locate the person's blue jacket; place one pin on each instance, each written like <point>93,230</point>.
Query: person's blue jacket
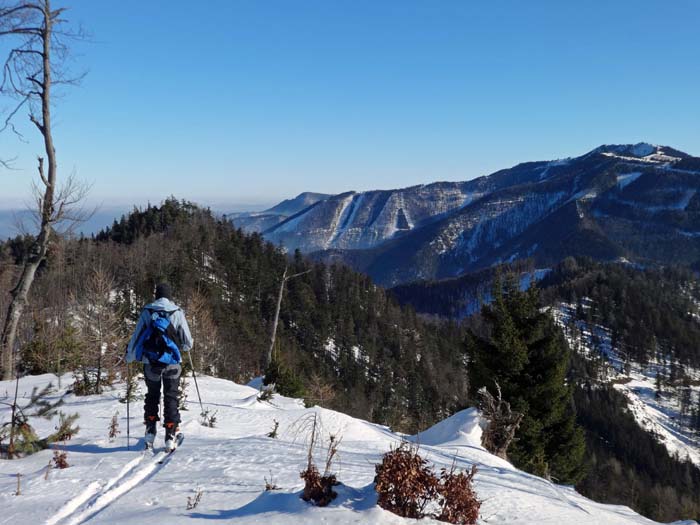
<point>178,321</point>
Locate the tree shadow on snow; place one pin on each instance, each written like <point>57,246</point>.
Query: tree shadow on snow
<point>291,503</point>
<point>91,448</point>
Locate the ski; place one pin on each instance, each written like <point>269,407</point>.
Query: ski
<point>178,441</point>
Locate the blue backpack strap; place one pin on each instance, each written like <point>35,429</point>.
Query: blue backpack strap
<point>143,335</point>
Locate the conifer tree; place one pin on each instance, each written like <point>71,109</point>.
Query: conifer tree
<point>523,350</point>
<point>23,439</point>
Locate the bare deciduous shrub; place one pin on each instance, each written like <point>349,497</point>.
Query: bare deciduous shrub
<point>208,418</point>
<point>270,484</point>
<point>193,501</point>
<point>318,487</point>
<point>273,433</point>
<point>319,392</point>
<point>114,427</point>
<point>502,422</point>
<point>408,486</point>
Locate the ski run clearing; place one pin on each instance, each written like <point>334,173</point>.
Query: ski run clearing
<point>230,463</point>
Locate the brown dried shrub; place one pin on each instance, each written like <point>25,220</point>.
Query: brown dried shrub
<point>406,485</point>
<point>60,459</point>
<point>405,482</point>
<point>317,488</point>
<point>458,500</point>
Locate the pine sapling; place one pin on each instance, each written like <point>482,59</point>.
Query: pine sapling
<point>182,393</point>
<point>23,438</point>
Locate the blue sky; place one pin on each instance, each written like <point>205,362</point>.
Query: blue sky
<point>236,103</point>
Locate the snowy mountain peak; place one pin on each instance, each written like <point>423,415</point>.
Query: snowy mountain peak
<point>298,203</point>
<point>641,151</point>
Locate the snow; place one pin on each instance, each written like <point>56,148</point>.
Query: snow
<point>627,179</point>
<point>657,415</point>
<point>660,417</point>
<point>643,149</point>
<point>462,429</point>
<point>680,204</point>
<point>344,215</point>
<point>106,483</point>
<point>290,225</point>
<point>527,279</point>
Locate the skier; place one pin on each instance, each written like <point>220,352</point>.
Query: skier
<point>160,336</point>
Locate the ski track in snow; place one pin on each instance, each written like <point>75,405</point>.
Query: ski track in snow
<point>107,484</point>
<point>114,489</point>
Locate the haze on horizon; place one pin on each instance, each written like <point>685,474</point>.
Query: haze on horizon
<point>247,103</point>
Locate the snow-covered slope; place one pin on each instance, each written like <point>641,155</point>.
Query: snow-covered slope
<point>658,414</point>
<point>259,221</point>
<point>368,219</point>
<point>108,484</point>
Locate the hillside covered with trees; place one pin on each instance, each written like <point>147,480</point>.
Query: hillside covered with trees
<point>341,341</point>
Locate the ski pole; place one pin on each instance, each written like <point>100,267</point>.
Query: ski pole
<point>189,354</point>
<point>128,402</point>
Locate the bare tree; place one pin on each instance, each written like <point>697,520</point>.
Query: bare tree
<point>36,62</point>
<point>204,333</point>
<point>101,332</point>
<point>275,320</point>
<point>503,422</point>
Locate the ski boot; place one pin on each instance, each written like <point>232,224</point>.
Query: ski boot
<point>150,435</point>
<point>171,432</point>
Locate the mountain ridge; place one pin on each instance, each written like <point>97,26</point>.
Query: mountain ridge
<point>443,229</point>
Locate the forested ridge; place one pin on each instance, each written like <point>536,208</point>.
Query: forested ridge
<point>341,339</point>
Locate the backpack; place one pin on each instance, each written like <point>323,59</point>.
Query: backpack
<point>159,342</point>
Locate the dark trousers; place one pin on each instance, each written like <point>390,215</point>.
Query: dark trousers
<point>169,376</point>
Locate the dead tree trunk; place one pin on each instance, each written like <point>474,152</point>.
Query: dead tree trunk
<point>275,321</point>
<point>41,244</point>
<point>28,75</point>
